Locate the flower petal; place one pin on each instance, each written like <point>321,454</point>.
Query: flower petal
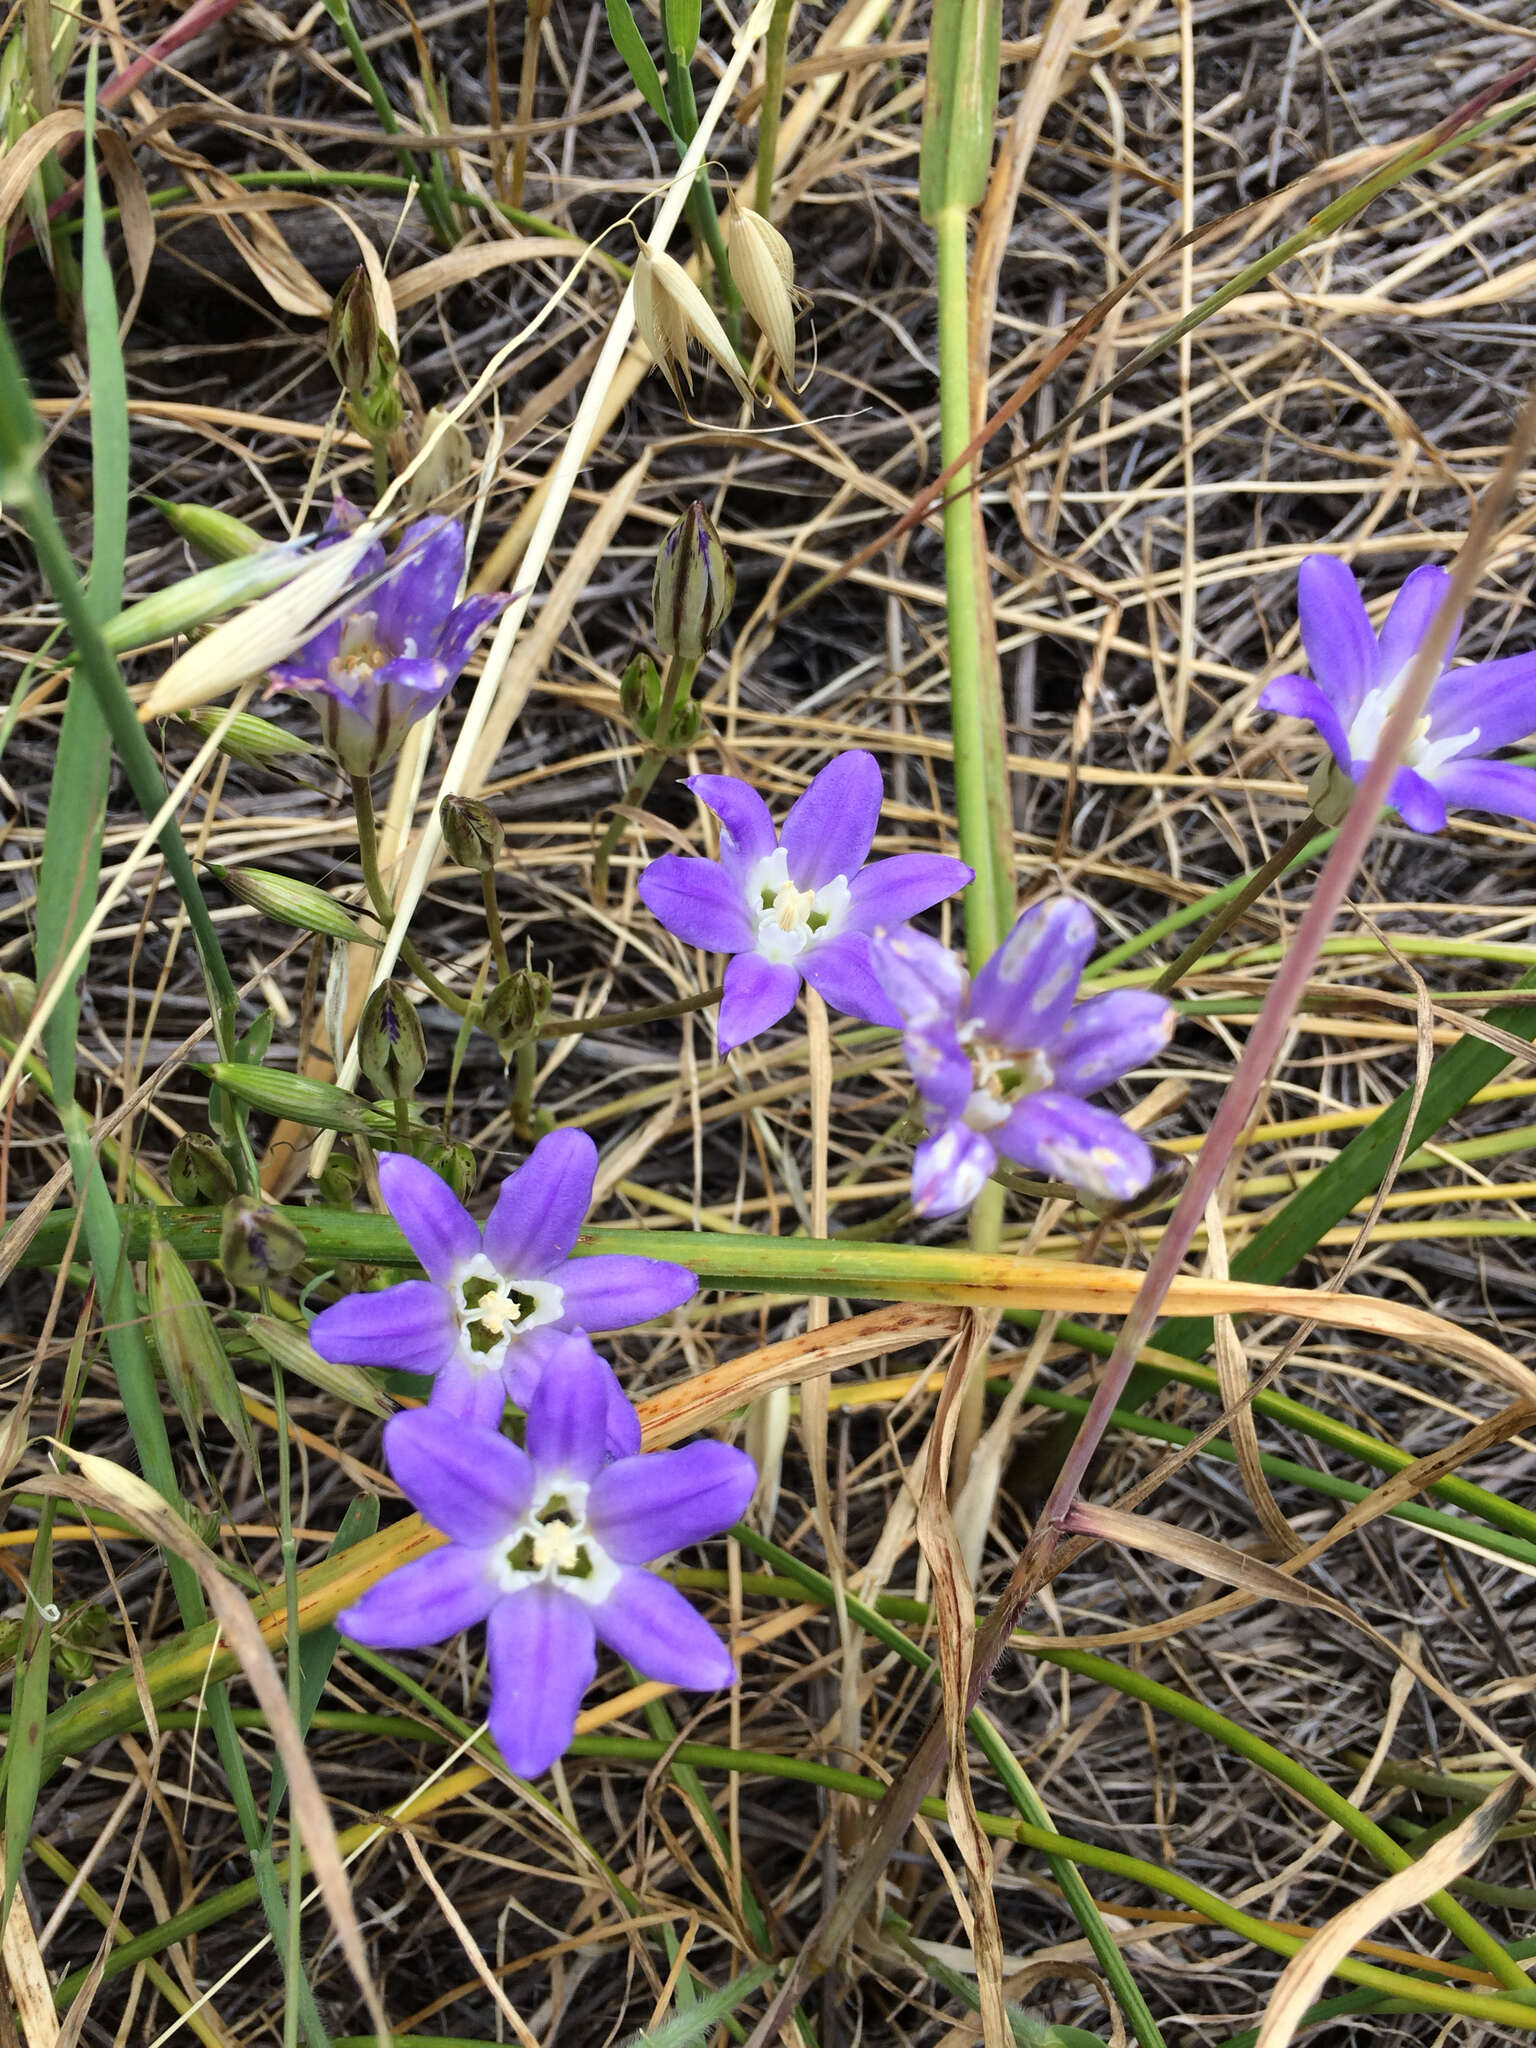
<point>543,1351</point>
<point>568,1414</point>
<point>1419,804</point>
<point>1024,992</point>
<point>414,598</point>
<point>1336,632</point>
<point>643,1507</point>
<point>1056,1134</point>
<point>614,1291</point>
<point>1300,697</point>
<point>437,1226</point>
<point>830,826</point>
<point>1493,702</point>
<point>464,625</point>
<point>746,827</point>
<point>757,994</point>
<point>411,1327</point>
<point>950,1169</point>
<point>1413,610</point>
<point>1501,786</point>
<point>888,892</point>
<point>541,1208</point>
<point>468,1394</point>
<point>840,972</point>
<point>542,1651</point>
<point>473,1484</point>
<point>698,902</point>
<point>664,1636</point>
<point>939,1065</point>
<point>1107,1036</point>
<point>922,978</point>
<point>423,1602</point>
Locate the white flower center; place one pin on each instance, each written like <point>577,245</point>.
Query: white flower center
<point>1000,1078</point>
<point>1422,753</point>
<point>359,653</point>
<point>553,1546</point>
<point>495,1309</point>
<point>791,919</point>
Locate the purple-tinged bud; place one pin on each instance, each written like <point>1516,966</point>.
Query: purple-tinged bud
<point>391,1046</point>
<point>199,1174</point>
<point>472,833</point>
<point>694,587</point>
<point>257,1243</point>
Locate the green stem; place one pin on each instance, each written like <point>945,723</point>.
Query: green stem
<point>1285,856</point>
<point>701,199</point>
<point>677,682</point>
<point>379,897</point>
<point>493,926</point>
<point>1191,913</point>
<point>527,1073</point>
<point>775,44</point>
<point>618,1020</point>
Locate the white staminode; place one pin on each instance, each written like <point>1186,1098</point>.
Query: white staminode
<point>1422,753</point>
<point>502,1312</point>
<point>1001,1078</point>
<point>559,1549</point>
<point>783,910</point>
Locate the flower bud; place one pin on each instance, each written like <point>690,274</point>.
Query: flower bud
<point>298,1097</point>
<point>764,270</point>
<point>299,904</point>
<point>217,534</point>
<point>18,997</point>
<point>197,1369</point>
<point>365,360</point>
<point>257,1242</point>
<point>391,1047</point>
<point>640,694</point>
<point>257,742</point>
<point>694,586</point>
<point>1330,792</point>
<point>516,1008</point>
<point>453,1163</point>
<point>340,1181</point>
<point>472,833</point>
<point>199,1174</point>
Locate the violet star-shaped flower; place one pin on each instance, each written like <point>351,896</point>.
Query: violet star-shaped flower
<point>395,648</point>
<point>1470,711</point>
<point>500,1307</point>
<point>545,1547</point>
<point>1002,1063</point>
<point>800,904</point>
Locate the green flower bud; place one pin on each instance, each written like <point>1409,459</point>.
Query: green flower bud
<point>301,1099</point>
<point>289,902</point>
<point>199,1174</point>
<point>364,359</point>
<point>455,1163</point>
<point>257,742</point>
<point>340,1181</point>
<point>694,586</point>
<point>18,998</point>
<point>391,1047</point>
<point>257,1242</point>
<point>197,1369</point>
<point>640,695</point>
<point>1330,792</point>
<point>516,1008</point>
<point>217,534</point>
<point>472,833</point>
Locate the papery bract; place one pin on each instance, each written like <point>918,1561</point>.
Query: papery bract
<point>498,1306</point>
<point>545,1546</point>
<point>798,904</point>
<point>392,651</point>
<point>1002,1062</point>
<point>1357,674</point>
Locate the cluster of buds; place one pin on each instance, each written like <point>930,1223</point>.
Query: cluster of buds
<point>641,699</point>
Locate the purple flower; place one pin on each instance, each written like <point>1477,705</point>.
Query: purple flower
<point>498,1308</point>
<point>1470,712</point>
<point>544,1546</point>
<point>1003,1062</point>
<point>394,649</point>
<point>797,905</point>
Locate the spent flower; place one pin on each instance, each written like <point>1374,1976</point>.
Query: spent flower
<point>546,1546</point>
<point>499,1304</point>
<point>393,648</point>
<point>1357,674</point>
<point>798,904</point>
<point>1003,1062</point>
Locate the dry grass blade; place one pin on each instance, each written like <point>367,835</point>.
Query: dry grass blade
<point>1451,1857</point>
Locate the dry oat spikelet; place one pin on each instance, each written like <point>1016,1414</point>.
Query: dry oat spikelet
<point>763,266</point>
<point>670,312</point>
